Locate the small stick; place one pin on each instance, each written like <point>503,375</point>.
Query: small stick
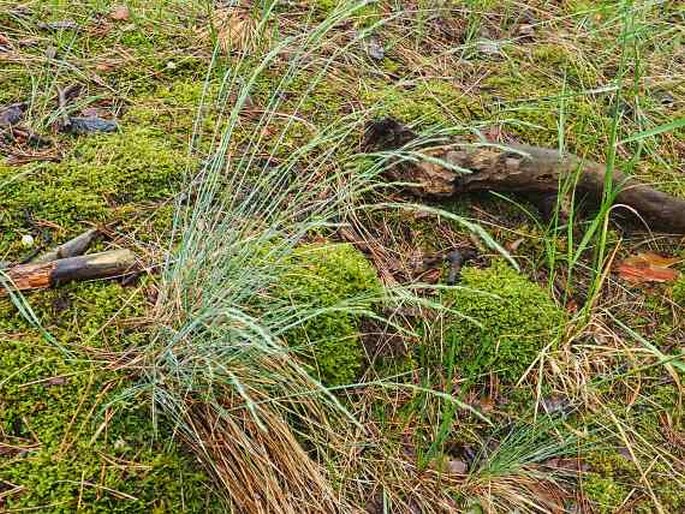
<point>110,264</point>
<point>63,96</point>
<point>72,248</point>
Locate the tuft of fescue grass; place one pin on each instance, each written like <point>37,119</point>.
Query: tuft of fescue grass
<point>218,368</point>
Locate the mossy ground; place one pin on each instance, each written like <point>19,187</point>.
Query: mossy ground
<point>332,281</point>
<point>466,65</point>
<point>503,323</point>
<point>69,440</point>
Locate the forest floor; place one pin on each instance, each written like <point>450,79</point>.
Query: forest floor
<point>556,387</point>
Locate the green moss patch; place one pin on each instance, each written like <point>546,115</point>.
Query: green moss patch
<point>431,102</point>
<point>517,320</point>
<point>101,174</point>
<point>617,474</point>
<point>678,292</point>
<point>68,440</point>
<point>335,283</point>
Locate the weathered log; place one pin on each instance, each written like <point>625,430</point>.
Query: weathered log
<point>519,169</point>
<point>111,264</point>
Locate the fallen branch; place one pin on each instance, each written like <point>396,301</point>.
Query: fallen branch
<point>110,264</point>
<point>72,248</point>
<point>519,169</point>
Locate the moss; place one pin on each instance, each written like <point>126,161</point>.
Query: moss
<point>678,292</point>
<point>101,173</point>
<point>613,477</point>
<point>328,278</point>
<point>530,106</point>
<point>606,494</point>
<point>517,317</point>
<point>433,102</point>
<point>613,474</point>
<point>15,84</point>
<point>563,63</point>
<point>85,448</point>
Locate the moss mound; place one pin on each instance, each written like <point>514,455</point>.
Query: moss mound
<point>67,442</point>
<point>102,171</point>
<point>338,284</point>
<point>517,320</point>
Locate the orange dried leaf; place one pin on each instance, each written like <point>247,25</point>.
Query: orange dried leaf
<point>647,259</point>
<point>648,267</point>
<point>641,274</point>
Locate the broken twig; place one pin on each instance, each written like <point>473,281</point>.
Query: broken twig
<point>110,264</point>
<point>72,248</point>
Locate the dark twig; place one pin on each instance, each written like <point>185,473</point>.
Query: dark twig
<point>72,248</point>
<point>111,264</point>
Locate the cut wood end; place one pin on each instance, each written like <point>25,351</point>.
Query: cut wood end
<point>104,265</point>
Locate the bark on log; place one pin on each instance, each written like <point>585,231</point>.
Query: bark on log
<point>26,277</point>
<point>519,169</point>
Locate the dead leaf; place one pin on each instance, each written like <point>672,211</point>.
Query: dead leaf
<point>639,275</point>
<point>648,267</point>
<point>235,29</point>
<point>652,259</point>
<point>12,114</point>
<point>514,245</point>
<point>119,13</point>
<point>554,403</point>
<point>486,403</point>
<point>451,465</point>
